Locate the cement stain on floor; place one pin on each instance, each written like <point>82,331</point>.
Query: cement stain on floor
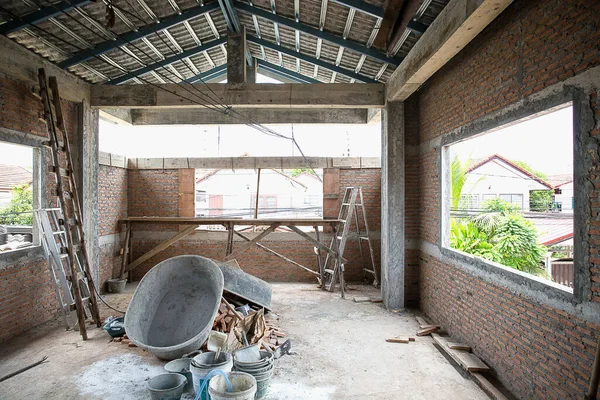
<point>340,345</point>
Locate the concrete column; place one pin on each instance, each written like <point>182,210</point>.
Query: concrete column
<point>89,188</point>
<point>392,205</point>
<point>251,72</point>
<point>236,56</point>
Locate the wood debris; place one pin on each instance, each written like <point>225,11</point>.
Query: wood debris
<point>428,331</point>
<point>401,339</point>
<point>362,299</point>
<point>257,329</point>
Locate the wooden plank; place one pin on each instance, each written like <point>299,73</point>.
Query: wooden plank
<point>400,339</point>
<point>252,242</point>
<point>362,299</point>
<point>459,346</point>
<point>429,330</point>
<point>233,221</point>
<point>468,361</point>
<point>161,247</point>
<point>421,321</point>
<point>488,387</point>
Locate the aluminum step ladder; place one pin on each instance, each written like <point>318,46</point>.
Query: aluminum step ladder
<point>63,227</point>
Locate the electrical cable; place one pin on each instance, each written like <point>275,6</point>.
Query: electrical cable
<point>228,110</point>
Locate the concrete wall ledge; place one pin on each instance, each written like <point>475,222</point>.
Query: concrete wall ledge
<point>238,162</point>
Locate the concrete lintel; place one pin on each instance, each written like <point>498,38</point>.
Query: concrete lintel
<point>118,116</point>
<point>245,95</point>
<point>112,160</point>
<point>458,23</point>
<point>259,115</point>
<point>22,64</point>
<point>253,162</point>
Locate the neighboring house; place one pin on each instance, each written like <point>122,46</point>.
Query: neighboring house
<point>229,193</point>
<point>563,192</point>
<point>498,177</point>
<point>11,176</point>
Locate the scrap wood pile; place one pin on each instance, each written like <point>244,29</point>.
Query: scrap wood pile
<point>256,328</point>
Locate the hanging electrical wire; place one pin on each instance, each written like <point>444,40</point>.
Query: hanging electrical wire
<point>225,109</point>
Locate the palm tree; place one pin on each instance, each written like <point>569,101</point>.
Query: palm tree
<point>458,172</point>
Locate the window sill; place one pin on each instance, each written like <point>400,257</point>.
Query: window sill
<point>510,277</point>
<point>32,253</point>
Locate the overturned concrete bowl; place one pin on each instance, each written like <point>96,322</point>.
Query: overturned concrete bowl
<point>173,308</point>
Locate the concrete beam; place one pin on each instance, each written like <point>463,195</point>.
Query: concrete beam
<point>250,95</point>
<point>259,115</point>
<point>253,162</point>
<point>459,23</point>
<point>392,206</point>
<point>236,56</point>
<point>22,64</point>
<point>119,116</point>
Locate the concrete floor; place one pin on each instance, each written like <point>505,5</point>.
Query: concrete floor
<point>342,354</point>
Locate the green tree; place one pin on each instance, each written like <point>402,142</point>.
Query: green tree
<point>530,169</point>
<point>20,209</point>
<point>458,172</point>
<point>500,234</point>
<point>540,200</point>
<point>298,171</point>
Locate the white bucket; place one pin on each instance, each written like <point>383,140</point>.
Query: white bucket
<point>243,385</point>
<point>203,363</point>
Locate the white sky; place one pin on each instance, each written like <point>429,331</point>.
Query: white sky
<point>544,142</point>
<point>13,154</point>
<point>331,140</point>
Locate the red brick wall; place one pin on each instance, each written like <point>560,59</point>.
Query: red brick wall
<point>25,284</point>
<point>112,206</point>
<point>155,193</point>
<point>112,199</point>
<point>537,351</point>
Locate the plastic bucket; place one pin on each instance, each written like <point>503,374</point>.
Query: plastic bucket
<point>262,385</point>
<point>203,363</point>
<point>166,386</point>
<point>182,366</point>
<point>243,385</point>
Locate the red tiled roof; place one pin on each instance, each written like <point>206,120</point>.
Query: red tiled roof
<point>511,164</point>
<point>12,175</point>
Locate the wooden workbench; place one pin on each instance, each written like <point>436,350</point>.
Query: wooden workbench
<point>230,223</point>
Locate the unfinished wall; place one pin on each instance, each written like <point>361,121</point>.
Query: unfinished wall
<point>156,193</point>
<point>539,340</point>
<point>112,204</point>
<point>25,282</point>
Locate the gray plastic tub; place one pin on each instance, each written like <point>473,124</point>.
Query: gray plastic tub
<point>173,308</point>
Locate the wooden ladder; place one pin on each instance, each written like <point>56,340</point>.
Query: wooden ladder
<point>363,237</point>
<point>66,229</point>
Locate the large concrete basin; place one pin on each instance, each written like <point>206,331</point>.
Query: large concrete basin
<point>174,306</point>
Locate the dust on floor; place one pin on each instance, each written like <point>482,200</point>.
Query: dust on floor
<point>340,346</point>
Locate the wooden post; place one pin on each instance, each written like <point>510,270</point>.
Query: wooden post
<point>319,258</point>
<point>229,248</point>
<point>257,195</point>
<point>125,250</point>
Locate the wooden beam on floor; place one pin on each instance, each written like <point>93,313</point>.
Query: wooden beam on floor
<point>458,23</point>
<point>249,95</point>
